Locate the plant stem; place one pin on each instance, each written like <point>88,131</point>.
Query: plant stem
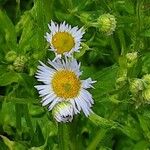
<point>102,122</point>
<point>18,116</point>
<point>122,42</point>
<point>28,119</point>
<point>99,136</point>
<point>63,136</point>
<point>114,48</point>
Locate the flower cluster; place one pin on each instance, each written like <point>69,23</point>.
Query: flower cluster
<point>61,89</point>
<point>16,62</point>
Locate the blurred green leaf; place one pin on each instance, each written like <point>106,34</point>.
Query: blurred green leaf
<point>12,145</point>
<point>8,78</point>
<point>38,138</point>
<point>8,29</point>
<point>142,145</point>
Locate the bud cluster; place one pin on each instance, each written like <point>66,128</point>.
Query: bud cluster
<point>140,88</point>
<point>16,62</point>
<point>126,63</point>
<point>131,59</point>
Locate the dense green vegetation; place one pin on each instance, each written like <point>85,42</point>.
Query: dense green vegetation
<point>119,62</point>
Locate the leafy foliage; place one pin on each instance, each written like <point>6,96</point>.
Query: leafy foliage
<point>121,118</point>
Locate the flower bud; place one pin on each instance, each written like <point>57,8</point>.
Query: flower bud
<point>146,94</point>
<point>146,79</point>
<point>19,63</point>
<point>10,56</point>
<point>136,85</point>
<point>131,58</point>
<point>63,112</point>
<point>121,81</point>
<point>107,23</point>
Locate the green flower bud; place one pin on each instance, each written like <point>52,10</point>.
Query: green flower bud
<point>10,56</point>
<point>146,94</point>
<point>107,23</point>
<point>121,81</point>
<point>63,112</point>
<point>19,63</point>
<point>136,85</point>
<point>146,79</point>
<point>131,58</point>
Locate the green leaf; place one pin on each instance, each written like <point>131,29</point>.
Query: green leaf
<point>102,122</point>
<point>12,144</point>
<point>142,145</point>
<point>38,138</point>
<point>131,132</point>
<point>7,27</point>
<point>19,100</point>
<point>145,33</point>
<point>8,78</point>
<point>106,80</point>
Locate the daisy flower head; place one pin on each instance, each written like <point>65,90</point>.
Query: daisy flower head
<point>63,39</point>
<point>61,83</point>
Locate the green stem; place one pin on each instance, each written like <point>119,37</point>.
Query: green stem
<point>139,23</point>
<point>28,119</point>
<point>122,41</point>
<point>63,136</point>
<point>73,128</point>
<point>99,136</point>
<point>18,116</point>
<point>102,122</point>
<point>114,48</point>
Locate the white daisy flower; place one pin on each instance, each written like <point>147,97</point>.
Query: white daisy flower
<point>63,112</point>
<point>63,39</point>
<point>61,82</point>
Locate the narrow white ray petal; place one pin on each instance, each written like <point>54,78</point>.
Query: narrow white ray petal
<point>55,101</point>
<point>87,83</point>
<point>76,111</point>
<point>84,106</point>
<point>51,98</point>
<point>88,95</point>
<point>78,104</point>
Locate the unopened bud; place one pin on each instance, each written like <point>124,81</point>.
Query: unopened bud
<point>63,112</point>
<point>136,85</point>
<point>131,58</point>
<point>107,23</point>
<point>10,56</point>
<point>19,63</point>
<point>146,79</point>
<point>146,94</point>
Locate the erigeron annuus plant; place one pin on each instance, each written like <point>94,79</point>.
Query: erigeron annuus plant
<point>114,52</point>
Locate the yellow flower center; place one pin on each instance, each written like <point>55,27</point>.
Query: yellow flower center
<point>63,42</point>
<point>66,84</point>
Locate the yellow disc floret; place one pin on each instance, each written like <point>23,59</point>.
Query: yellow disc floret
<point>66,84</point>
<point>63,42</point>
